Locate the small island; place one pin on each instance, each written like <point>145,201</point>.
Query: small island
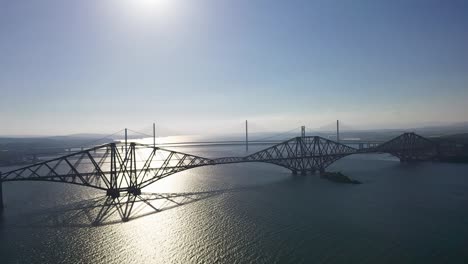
<point>338,177</point>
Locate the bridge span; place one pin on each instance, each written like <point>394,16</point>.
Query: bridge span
<point>124,170</point>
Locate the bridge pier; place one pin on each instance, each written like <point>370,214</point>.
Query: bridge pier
<point>306,171</point>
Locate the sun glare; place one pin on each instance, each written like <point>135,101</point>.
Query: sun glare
<point>153,8</point>
<point>158,4</point>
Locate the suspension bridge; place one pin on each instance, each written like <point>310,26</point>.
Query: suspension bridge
<point>122,170</point>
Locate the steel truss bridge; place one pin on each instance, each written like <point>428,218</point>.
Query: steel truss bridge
<point>122,171</point>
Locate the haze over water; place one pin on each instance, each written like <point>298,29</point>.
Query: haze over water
<point>76,70</point>
<point>402,213</point>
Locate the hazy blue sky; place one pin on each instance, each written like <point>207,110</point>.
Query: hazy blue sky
<point>207,65</point>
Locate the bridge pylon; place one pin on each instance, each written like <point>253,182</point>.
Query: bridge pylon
<point>113,191</point>
<point>123,171</point>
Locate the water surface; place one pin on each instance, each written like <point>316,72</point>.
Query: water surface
<point>252,212</point>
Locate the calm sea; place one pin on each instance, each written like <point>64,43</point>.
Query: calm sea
<point>249,213</point>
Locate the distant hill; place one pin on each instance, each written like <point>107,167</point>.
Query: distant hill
<point>79,136</point>
<point>19,144</point>
<point>458,138</point>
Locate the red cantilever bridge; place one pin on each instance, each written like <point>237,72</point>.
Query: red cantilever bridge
<point>117,171</point>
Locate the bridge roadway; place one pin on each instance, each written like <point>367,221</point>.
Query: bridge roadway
<point>122,171</point>
<point>35,153</point>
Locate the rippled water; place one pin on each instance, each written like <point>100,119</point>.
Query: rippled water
<point>402,213</point>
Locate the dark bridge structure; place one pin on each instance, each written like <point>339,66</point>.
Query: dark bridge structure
<point>122,171</point>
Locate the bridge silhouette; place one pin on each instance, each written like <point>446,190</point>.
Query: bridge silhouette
<point>123,170</point>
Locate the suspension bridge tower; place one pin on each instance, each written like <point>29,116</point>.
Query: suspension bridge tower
<point>338,131</point>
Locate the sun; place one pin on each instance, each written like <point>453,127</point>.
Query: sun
<point>145,17</point>
<point>152,4</point>
<point>151,7</point>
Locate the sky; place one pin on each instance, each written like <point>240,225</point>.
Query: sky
<point>205,66</point>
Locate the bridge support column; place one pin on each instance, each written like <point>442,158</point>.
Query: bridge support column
<point>322,171</point>
<point>303,172</point>
<point>294,172</point>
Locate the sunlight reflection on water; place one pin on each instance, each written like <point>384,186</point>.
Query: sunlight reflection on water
<point>250,213</point>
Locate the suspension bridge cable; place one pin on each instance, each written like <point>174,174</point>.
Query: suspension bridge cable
<point>96,140</point>
<point>140,133</point>
<point>279,134</point>
<point>144,130</point>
